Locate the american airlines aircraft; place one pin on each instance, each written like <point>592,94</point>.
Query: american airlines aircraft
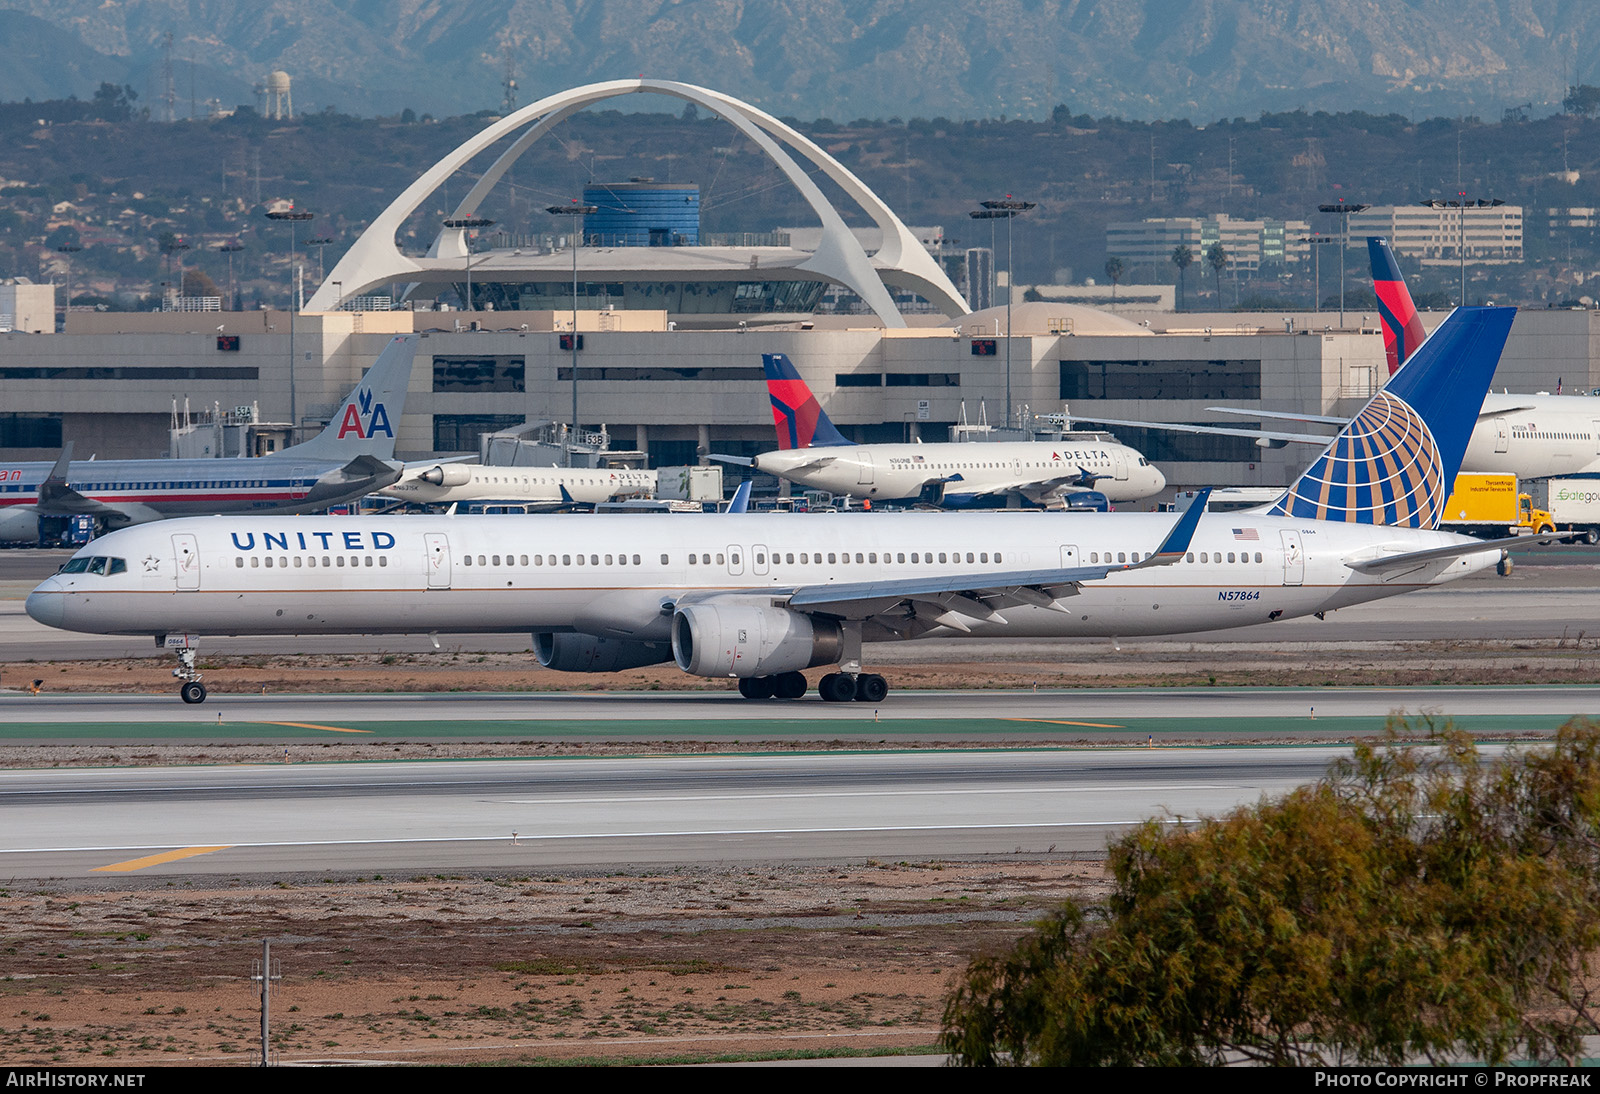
<point>1083,470</point>
<point>542,487</point>
<point>346,460</point>
<point>1530,436</point>
<point>758,598</point>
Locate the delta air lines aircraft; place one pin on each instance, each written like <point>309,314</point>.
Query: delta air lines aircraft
<point>758,598</point>
<point>1082,470</point>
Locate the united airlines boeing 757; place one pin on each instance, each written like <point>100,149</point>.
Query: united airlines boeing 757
<point>758,598</point>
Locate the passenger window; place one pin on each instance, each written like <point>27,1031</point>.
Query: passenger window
<point>1258,556</point>
<point>269,562</point>
<point>736,560</point>
<point>524,560</point>
<point>900,557</point>
<point>298,562</point>
<point>761,560</point>
<point>594,560</point>
<point>692,558</point>
<point>255,563</point>
<point>326,561</point>
<point>1122,556</point>
<point>383,560</point>
<point>663,560</point>
<point>608,560</point>
<point>636,560</point>
<point>913,556</point>
<point>497,560</point>
<point>580,560</point>
<point>1189,557</point>
<point>466,560</point>
<point>481,562</point>
<point>720,561</point>
<point>1230,556</point>
<point>790,557</point>
<point>239,562</point>
<point>566,560</point>
<point>984,557</point>
<point>369,560</point>
<point>872,557</point>
<point>941,556</point>
<point>969,556</point>
<point>831,559</point>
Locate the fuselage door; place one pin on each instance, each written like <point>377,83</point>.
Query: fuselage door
<point>1070,558</point>
<point>864,469</point>
<point>735,559</point>
<point>186,550</point>
<point>1596,427</point>
<point>1119,459</point>
<point>1294,559</point>
<point>759,562</point>
<point>1502,435</point>
<point>438,547</point>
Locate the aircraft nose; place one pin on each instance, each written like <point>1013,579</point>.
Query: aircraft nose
<point>48,603</point>
<point>1161,480</point>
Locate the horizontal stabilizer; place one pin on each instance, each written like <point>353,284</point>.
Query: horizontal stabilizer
<point>1385,563</point>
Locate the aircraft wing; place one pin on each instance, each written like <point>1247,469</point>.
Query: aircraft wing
<point>1257,434</point>
<point>951,600</point>
<point>1410,559</point>
<point>57,498</point>
<point>1314,419</point>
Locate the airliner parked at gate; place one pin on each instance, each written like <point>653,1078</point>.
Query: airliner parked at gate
<point>1083,470</point>
<point>759,598</point>
<point>346,460</point>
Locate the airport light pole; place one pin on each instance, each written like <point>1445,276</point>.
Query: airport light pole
<point>573,210</point>
<point>231,249</point>
<point>1461,203</point>
<point>293,218</point>
<point>1008,210</point>
<point>1343,211</point>
<point>1317,242</point>
<point>68,249</point>
<point>320,243</point>
<point>466,225</point>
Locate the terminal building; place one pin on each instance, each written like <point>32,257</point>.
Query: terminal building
<point>672,327</point>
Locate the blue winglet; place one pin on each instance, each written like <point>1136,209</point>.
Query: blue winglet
<point>566,498</point>
<point>1177,542</point>
<point>741,498</point>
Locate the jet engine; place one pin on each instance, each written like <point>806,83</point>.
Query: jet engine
<point>566,652</point>
<point>448,474</point>
<point>743,639</point>
<point>19,525</point>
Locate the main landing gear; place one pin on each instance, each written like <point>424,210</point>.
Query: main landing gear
<point>841,687</point>
<point>836,687</point>
<point>191,690</point>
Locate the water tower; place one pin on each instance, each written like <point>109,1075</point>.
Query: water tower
<point>279,105</point>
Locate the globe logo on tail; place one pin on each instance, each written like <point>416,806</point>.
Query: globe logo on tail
<point>1385,468</point>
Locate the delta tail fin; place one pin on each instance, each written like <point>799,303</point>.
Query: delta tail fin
<point>366,423</point>
<point>1402,326</point>
<point>1396,460</point>
<point>798,417</point>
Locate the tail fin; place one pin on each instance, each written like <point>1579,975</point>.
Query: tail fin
<point>1402,326</point>
<point>799,418</point>
<point>1394,463</point>
<point>365,425</point>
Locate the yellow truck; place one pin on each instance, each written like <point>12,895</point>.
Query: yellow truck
<point>1490,505</point>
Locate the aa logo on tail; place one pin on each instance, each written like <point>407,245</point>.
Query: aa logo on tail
<point>376,418</point>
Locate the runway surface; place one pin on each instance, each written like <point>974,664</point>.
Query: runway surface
<point>1221,714</point>
<point>599,813</point>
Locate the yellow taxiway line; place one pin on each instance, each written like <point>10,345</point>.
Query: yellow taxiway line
<point>309,725</point>
<point>156,860</point>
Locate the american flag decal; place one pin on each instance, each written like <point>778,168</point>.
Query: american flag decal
<point>1246,533</point>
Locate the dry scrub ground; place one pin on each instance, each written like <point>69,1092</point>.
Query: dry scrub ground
<point>1145,664</point>
<point>447,969</point>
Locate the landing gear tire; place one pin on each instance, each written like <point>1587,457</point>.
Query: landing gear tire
<point>789,685</point>
<point>756,687</point>
<point>837,687</point>
<point>1592,536</point>
<point>871,688</point>
<point>193,692</point>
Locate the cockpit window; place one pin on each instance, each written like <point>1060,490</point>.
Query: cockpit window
<point>96,564</point>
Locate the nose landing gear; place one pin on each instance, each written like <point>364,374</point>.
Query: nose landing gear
<point>191,690</point>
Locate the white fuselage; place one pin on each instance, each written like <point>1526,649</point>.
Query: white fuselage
<point>899,472</point>
<point>618,575</point>
<point>1536,436</point>
<point>542,485</point>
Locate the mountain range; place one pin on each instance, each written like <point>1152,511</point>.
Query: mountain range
<point>844,59</point>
